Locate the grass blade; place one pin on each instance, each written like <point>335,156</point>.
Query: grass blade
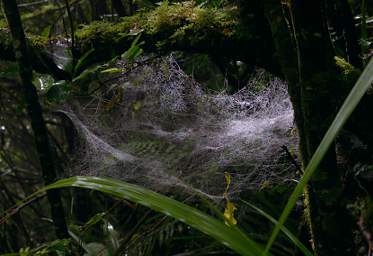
<point>286,231</point>
<point>232,237</point>
<point>361,86</point>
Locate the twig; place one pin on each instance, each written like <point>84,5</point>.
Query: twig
<point>366,234</point>
<point>291,158</point>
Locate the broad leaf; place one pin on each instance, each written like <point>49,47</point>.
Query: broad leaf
<point>227,235</point>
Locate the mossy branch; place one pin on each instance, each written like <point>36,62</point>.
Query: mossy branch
<point>169,27</point>
<point>180,26</point>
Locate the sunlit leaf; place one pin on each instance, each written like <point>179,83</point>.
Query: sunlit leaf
<point>83,62</point>
<point>230,208</point>
<point>112,71</point>
<point>134,51</point>
<point>230,236</point>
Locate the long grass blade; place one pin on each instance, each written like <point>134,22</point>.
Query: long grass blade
<point>361,86</point>
<point>231,237</point>
<point>286,231</point>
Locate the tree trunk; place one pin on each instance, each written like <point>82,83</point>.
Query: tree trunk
<point>306,57</point>
<point>98,8</point>
<point>119,7</point>
<point>35,113</point>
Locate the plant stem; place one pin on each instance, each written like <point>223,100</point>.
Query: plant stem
<point>71,23</point>
<point>364,33</point>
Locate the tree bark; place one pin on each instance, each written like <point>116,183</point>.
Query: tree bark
<point>34,110</point>
<point>98,7</point>
<point>119,7</point>
<point>307,60</point>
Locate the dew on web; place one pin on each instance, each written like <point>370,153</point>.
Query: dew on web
<point>167,134</point>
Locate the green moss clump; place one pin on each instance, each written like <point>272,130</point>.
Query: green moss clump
<point>183,24</point>
<point>349,72</point>
<point>183,17</point>
<point>38,42</point>
<point>41,11</point>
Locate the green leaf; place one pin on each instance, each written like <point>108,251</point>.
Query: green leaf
<point>286,231</point>
<point>111,71</point>
<point>83,62</point>
<point>58,91</point>
<point>232,237</point>
<point>46,32</point>
<point>361,86</point>
<point>43,82</point>
<point>95,219</point>
<point>134,51</point>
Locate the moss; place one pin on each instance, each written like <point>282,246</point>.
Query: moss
<point>3,23</point>
<point>308,216</point>
<point>349,72</point>
<point>183,23</point>
<point>182,26</point>
<point>38,42</point>
<point>181,18</point>
<point>41,11</point>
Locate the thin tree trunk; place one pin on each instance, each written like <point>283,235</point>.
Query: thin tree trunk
<point>72,30</point>
<point>98,7</point>
<point>35,113</point>
<point>119,7</point>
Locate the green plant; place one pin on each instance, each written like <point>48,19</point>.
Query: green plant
<point>226,233</point>
<point>59,247</point>
<point>230,236</point>
<point>135,50</point>
<point>286,231</point>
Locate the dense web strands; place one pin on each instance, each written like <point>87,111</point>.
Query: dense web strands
<point>165,133</point>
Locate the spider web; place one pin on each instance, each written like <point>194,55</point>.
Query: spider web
<point>166,133</point>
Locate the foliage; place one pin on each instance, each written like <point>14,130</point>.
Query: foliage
<point>57,247</point>
<point>228,235</point>
<point>286,231</point>
<point>349,72</point>
<point>134,51</point>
